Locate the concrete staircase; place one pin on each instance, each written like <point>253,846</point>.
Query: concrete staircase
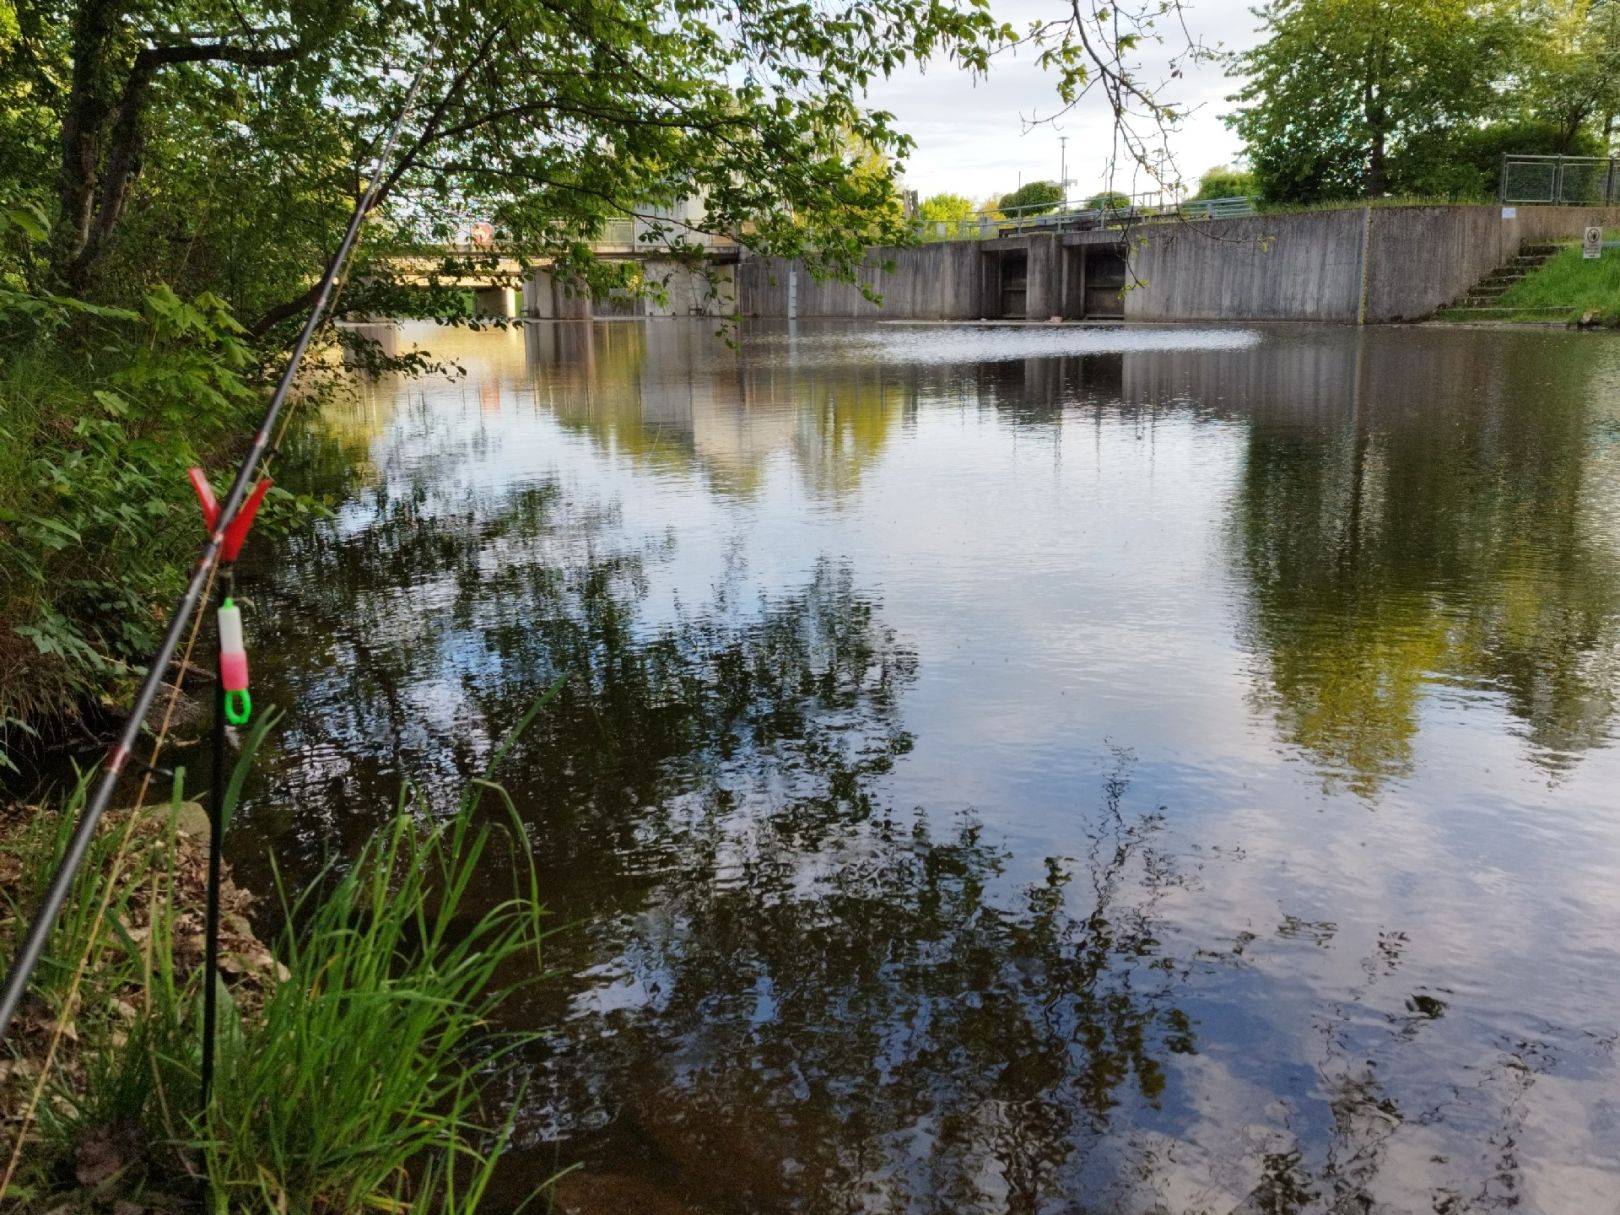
<point>1483,295</point>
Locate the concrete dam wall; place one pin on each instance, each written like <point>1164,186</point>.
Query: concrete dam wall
<point>1373,264</point>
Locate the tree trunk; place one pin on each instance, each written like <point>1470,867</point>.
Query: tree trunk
<point>103,128</point>
<point>97,81</point>
<point>1376,116</point>
<point>1377,172</point>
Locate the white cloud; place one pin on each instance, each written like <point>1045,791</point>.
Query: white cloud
<point>974,136</point>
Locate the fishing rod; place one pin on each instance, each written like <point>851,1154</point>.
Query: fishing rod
<point>39,929</point>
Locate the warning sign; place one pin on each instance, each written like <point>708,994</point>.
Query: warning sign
<point>1592,243</point>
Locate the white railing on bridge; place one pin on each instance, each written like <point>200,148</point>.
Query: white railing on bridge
<point>1092,214</point>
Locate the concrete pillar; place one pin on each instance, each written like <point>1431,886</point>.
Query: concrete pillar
<point>545,297</point>
<point>1044,296</point>
<point>495,301</point>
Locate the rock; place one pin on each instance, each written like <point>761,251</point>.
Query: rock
<point>191,716</point>
<point>1590,319</point>
<point>190,818</point>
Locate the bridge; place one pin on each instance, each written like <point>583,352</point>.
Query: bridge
<point>501,284</point>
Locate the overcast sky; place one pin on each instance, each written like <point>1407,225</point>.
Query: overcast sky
<point>973,136</point>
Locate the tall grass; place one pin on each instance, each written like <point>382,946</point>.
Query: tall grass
<point>357,1070</point>
<point>349,1073</point>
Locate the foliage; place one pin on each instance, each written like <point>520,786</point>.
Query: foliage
<point>1348,98</point>
<point>349,1067</point>
<point>1223,181</point>
<point>1572,81</point>
<point>955,211</point>
<point>1467,164</point>
<point>96,524</point>
<point>1337,82</point>
<point>227,162</point>
<point>1108,200</point>
<point>1032,198</point>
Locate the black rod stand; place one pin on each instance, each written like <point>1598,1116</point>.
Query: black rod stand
<point>216,839</point>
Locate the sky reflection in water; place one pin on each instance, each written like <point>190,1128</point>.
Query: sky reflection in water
<point>1171,774</point>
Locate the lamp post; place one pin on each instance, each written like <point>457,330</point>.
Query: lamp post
<point>1063,167</point>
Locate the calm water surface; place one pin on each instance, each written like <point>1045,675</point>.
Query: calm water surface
<point>1005,769</point>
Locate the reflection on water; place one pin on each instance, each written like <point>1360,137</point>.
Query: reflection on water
<point>1001,770</point>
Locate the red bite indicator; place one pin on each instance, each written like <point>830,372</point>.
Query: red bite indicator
<point>236,533</point>
<point>233,663</point>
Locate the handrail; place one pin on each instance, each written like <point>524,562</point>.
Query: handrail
<point>1083,216</point>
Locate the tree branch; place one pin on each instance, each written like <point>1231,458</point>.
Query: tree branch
<point>102,204</point>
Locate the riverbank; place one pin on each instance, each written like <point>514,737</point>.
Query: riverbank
<point>97,429</point>
<point>354,1040</point>
<point>1568,289</point>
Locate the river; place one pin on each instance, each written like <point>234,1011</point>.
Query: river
<point>1001,769</point>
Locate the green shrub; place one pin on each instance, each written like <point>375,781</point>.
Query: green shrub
<point>102,410</point>
<point>1223,181</point>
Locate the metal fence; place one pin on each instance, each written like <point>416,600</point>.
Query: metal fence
<point>1119,211</point>
<point>1553,180</point>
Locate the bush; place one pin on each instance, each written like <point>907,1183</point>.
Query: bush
<point>1466,164</point>
<point>102,410</point>
<point>1223,181</point>
<point>1032,198</point>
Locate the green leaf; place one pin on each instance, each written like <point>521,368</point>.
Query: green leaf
<point>112,402</point>
<point>244,765</point>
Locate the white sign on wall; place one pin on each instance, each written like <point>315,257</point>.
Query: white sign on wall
<point>1592,243</point>
<point>1510,213</point>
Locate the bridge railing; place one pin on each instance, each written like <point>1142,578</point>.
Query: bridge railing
<point>1083,216</point>
<point>1529,181</point>
<point>615,236</point>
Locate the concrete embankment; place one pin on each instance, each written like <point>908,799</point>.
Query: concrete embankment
<point>1366,264</point>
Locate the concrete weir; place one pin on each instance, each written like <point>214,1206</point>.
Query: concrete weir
<point>1356,265</point>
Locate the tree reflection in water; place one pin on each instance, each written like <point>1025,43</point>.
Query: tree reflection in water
<point>1417,525</point>
<point>876,1023</point>
<point>788,995</point>
<point>780,991</point>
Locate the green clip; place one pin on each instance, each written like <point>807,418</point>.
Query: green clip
<point>238,707</point>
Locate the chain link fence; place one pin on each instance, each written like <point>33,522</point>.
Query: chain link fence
<point>1568,180</point>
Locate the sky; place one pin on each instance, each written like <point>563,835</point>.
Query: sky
<point>974,137</point>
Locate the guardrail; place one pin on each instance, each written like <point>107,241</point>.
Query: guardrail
<point>1091,215</point>
<point>1529,181</point>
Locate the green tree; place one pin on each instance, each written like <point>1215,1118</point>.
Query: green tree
<point>1336,84</point>
<point>230,157</point>
<point>955,211</point>
<point>1032,198</point>
<point>1223,181</point>
<point>1467,164</point>
<point>1573,78</point>
<point>1108,200</point>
